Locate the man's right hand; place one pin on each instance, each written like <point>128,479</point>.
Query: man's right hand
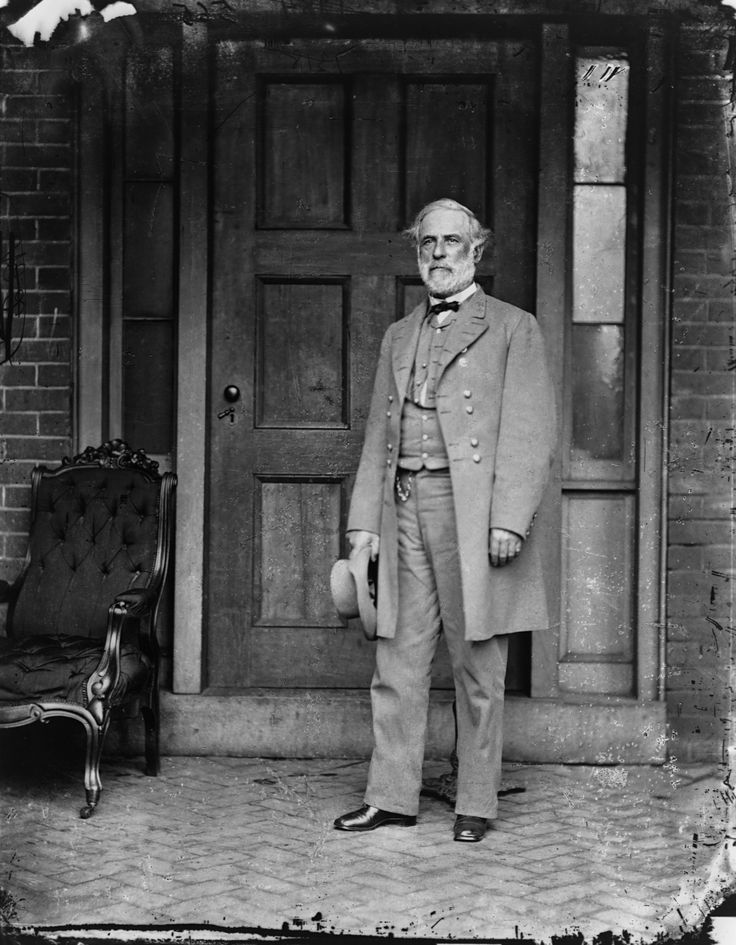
<point>358,540</point>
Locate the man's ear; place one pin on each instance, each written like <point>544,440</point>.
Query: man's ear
<point>477,253</point>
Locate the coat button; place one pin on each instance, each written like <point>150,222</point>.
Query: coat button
<point>464,351</point>
<point>425,455</point>
<point>388,462</point>
<point>389,447</point>
<point>390,398</point>
<point>474,441</point>
<point>469,408</point>
<point>476,457</point>
<point>466,393</point>
<point>388,413</point>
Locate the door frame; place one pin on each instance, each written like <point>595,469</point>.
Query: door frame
<point>91,414</point>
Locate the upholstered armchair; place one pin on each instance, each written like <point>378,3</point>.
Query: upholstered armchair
<point>81,621</point>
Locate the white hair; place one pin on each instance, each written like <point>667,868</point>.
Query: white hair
<point>480,236</point>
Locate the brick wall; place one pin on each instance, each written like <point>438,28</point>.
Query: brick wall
<point>36,185</point>
<point>700,620</point>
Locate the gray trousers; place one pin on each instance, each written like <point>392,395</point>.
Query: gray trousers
<point>430,602</point>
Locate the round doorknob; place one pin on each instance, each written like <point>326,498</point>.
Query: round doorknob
<point>231,393</point>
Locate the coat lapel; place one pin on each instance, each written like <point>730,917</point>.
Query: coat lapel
<point>470,324</point>
<point>404,348</point>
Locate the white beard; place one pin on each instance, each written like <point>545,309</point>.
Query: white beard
<point>442,283</point>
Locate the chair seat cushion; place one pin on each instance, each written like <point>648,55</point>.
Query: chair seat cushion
<point>55,668</point>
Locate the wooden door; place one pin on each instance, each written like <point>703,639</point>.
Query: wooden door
<point>322,153</point>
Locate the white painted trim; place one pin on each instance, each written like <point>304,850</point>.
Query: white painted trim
<point>191,437</point>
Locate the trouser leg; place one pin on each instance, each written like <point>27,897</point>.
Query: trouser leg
<point>400,687</point>
<point>479,671</point>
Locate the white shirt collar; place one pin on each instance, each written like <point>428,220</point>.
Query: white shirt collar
<point>458,297</point>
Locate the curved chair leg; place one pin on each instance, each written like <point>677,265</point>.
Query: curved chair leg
<point>92,783</point>
<point>151,722</point>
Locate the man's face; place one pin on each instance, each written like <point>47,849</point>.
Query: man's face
<point>446,258</point>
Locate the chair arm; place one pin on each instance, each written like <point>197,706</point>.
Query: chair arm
<point>100,687</point>
<point>135,603</point>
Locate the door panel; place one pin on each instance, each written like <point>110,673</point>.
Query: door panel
<point>322,152</point>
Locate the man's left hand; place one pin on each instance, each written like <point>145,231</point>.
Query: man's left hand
<point>505,547</point>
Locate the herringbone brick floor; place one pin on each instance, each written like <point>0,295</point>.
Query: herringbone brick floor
<point>249,843</point>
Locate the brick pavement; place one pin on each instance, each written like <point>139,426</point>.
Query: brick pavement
<point>248,843</point>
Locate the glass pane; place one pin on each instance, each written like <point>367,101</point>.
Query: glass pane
<point>598,539</point>
<point>148,385</point>
<point>598,391</point>
<point>148,257</point>
<point>601,107</point>
<point>599,253</point>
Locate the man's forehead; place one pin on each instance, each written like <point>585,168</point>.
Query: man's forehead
<point>442,221</point>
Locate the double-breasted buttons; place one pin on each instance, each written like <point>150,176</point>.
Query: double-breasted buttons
<point>388,461</point>
<point>473,440</point>
<point>390,398</point>
<point>469,408</point>
<point>389,446</point>
<point>466,393</point>
<point>388,413</point>
<point>476,457</point>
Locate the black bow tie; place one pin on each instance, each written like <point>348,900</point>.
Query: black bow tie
<point>443,307</point>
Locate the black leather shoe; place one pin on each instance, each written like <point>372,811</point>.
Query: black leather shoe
<point>469,829</point>
<point>368,818</point>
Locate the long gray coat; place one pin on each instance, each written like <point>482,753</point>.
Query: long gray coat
<point>496,411</point>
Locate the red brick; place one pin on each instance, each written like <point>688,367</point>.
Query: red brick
<point>691,310</point>
<point>38,253</point>
<point>16,497</point>
<point>37,155</point>
<point>15,520</point>
<point>695,533</point>
<point>52,351</point>
<point>23,424</point>
<point>688,359</point>
<point>705,382</point>
<point>683,558</point>
<point>692,213</point>
<point>15,546</point>
<point>53,131</point>
<point>17,375</point>
<point>15,473</point>
<point>49,204</point>
<point>54,326</point>
<point>54,278</point>
<point>703,89</point>
<point>44,303</point>
<point>19,179</point>
<point>55,424</point>
<point>706,115</point>
<point>34,398</point>
<point>54,375</point>
<point>709,335</point>
<point>53,228</point>
<point>35,448</point>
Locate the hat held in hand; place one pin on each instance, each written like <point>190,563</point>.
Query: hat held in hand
<point>353,587</point>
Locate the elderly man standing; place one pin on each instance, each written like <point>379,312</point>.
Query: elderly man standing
<point>456,456</point>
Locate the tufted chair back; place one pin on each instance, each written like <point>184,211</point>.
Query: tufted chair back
<point>93,534</point>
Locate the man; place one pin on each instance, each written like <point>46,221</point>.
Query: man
<point>457,452</point>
